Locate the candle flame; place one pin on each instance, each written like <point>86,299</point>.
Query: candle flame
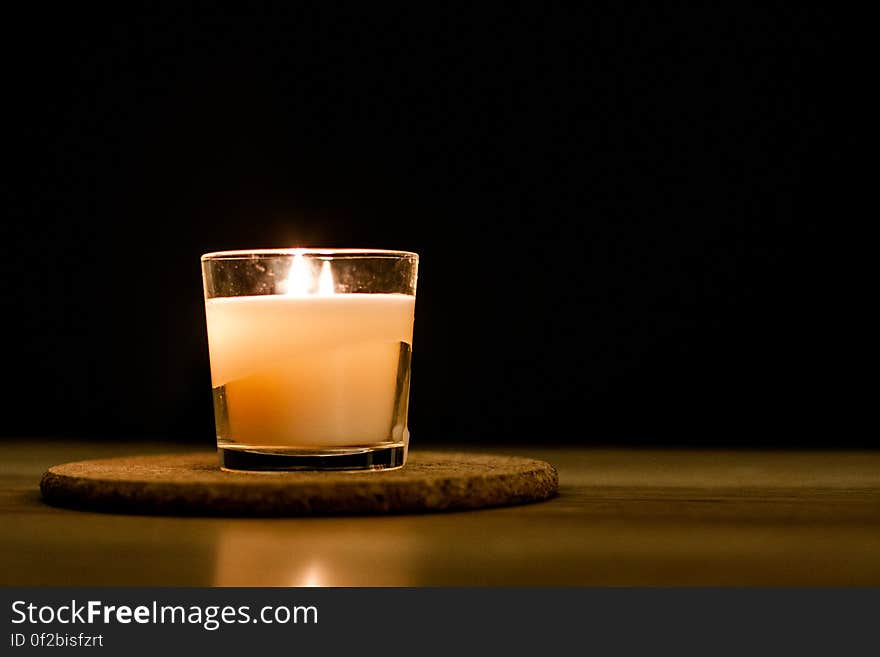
<point>299,277</point>
<point>325,283</point>
<point>301,280</point>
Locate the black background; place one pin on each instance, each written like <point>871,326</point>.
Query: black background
<point>620,213</point>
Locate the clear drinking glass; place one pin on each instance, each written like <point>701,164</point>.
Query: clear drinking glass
<point>310,356</point>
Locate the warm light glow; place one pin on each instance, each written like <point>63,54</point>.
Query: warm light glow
<point>299,277</point>
<point>325,283</point>
<point>311,577</point>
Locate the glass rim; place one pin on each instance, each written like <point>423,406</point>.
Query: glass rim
<point>307,252</point>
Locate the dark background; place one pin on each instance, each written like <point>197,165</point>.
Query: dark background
<point>620,213</point>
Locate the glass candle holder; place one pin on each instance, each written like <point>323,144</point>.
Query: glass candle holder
<point>310,357</point>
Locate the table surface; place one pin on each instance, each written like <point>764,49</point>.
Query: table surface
<point>623,517</point>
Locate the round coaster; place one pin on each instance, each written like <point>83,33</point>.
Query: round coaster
<point>193,484</point>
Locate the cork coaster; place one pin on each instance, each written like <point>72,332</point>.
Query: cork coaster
<point>193,484</point>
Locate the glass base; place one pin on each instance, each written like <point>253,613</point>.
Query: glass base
<point>274,460</point>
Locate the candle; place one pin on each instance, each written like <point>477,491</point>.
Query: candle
<point>309,370</point>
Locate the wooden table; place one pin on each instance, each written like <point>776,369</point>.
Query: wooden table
<point>623,517</point>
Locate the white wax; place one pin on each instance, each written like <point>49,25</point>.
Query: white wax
<point>308,371</point>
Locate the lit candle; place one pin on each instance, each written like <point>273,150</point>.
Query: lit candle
<point>308,368</point>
